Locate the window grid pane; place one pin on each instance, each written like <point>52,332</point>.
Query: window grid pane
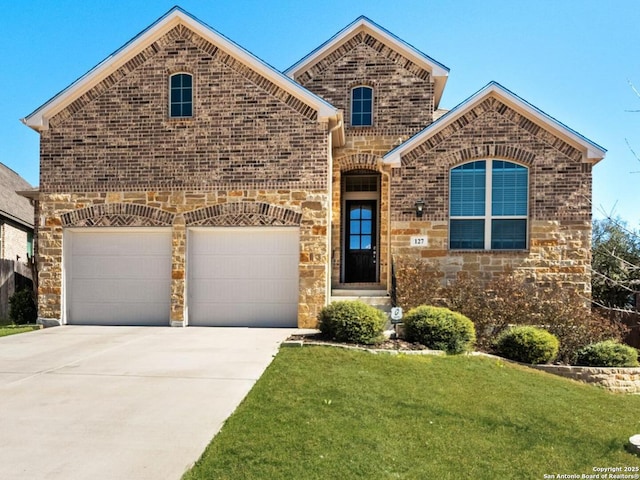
<point>509,234</point>
<point>364,183</point>
<point>362,106</point>
<point>181,95</point>
<point>467,234</point>
<point>467,190</point>
<point>509,194</point>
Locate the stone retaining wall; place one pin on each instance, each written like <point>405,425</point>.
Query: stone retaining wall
<point>618,380</point>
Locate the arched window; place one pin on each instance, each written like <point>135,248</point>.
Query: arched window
<point>362,107</point>
<point>488,206</point>
<point>181,95</point>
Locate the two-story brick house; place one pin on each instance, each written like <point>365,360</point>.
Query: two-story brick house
<point>186,182</point>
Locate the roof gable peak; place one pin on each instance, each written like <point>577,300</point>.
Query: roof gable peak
<point>438,71</point>
<point>38,120</point>
<point>591,151</point>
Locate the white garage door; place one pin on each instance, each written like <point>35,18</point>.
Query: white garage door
<point>117,276</point>
<point>243,276</point>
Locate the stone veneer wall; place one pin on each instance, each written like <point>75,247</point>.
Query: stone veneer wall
<point>618,380</point>
<point>180,210</point>
<point>558,252</point>
<point>559,198</point>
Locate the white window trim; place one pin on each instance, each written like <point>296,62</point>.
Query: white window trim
<point>351,105</point>
<point>488,201</point>
<point>193,95</point>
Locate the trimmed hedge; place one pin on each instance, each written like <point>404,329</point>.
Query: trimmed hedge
<point>528,344</point>
<point>439,328</point>
<point>608,354</point>
<point>352,322</point>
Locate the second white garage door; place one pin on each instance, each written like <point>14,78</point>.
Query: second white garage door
<point>243,276</point>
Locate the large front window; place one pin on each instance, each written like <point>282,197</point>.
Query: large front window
<point>488,206</point>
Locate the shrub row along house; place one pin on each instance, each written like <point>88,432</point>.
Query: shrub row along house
<point>183,181</point>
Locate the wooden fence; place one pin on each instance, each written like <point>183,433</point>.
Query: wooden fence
<point>630,319</point>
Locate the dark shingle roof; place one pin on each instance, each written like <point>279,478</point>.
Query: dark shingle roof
<point>12,205</point>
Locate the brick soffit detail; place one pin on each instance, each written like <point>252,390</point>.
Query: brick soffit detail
<point>496,106</point>
<point>361,38</point>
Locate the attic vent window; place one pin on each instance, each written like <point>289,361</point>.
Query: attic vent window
<point>362,107</point>
<point>181,95</point>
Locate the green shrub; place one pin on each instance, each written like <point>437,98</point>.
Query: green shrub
<point>22,307</point>
<point>528,345</point>
<point>608,354</point>
<point>439,328</point>
<point>353,322</point>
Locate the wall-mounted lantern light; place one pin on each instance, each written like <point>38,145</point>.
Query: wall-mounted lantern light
<point>419,208</point>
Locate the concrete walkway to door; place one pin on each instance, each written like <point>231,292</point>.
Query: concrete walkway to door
<point>121,402</point>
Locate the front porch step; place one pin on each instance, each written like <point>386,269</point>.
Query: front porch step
<point>377,298</point>
<point>352,292</point>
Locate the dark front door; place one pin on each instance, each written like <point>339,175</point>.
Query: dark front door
<point>361,248</point>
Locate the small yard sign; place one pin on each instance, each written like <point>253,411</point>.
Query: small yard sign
<point>396,314</point>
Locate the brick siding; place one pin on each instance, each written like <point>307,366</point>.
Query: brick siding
<point>403,92</point>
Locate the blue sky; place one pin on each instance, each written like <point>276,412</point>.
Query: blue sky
<point>573,59</point>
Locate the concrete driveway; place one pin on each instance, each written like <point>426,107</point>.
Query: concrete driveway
<point>121,402</point>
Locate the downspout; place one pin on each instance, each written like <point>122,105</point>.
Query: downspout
<point>330,212</point>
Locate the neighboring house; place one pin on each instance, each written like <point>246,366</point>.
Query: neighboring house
<point>16,217</point>
<point>16,236</point>
<point>186,182</point>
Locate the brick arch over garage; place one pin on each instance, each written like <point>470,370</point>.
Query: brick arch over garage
<point>243,214</point>
<point>117,215</point>
<point>359,161</point>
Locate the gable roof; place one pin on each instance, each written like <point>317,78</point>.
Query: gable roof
<point>12,205</point>
<point>38,120</point>
<point>591,151</point>
<point>438,71</point>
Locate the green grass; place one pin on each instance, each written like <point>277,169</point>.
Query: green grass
<point>13,329</point>
<point>328,413</point>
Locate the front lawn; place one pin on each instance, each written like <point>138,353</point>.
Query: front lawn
<point>329,413</point>
<point>13,329</point>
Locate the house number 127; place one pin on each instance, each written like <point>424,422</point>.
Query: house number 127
<point>418,241</point>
